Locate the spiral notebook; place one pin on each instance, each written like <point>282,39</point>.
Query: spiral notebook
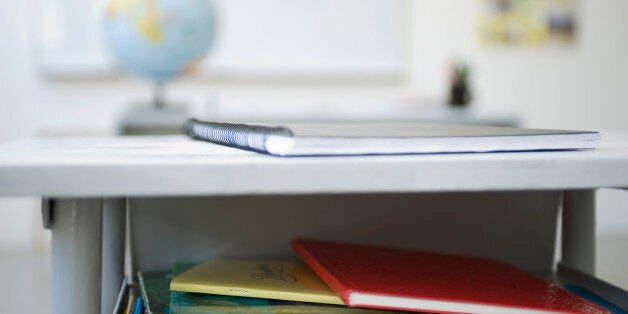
<point>357,138</point>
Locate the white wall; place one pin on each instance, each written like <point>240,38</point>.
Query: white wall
<point>583,87</point>
<point>16,221</point>
<point>580,87</point>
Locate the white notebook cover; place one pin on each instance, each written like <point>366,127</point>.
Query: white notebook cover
<point>306,139</point>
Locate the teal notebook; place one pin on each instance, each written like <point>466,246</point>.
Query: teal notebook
<point>197,303</point>
<point>155,289</point>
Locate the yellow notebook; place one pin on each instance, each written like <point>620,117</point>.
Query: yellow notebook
<point>282,280</point>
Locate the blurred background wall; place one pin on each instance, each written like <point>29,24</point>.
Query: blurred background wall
<point>580,87</point>
<point>575,87</point>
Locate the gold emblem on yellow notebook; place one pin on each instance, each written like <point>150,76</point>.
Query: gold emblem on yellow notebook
<point>275,272</point>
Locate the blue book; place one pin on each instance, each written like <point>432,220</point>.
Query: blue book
<point>592,297</point>
<point>138,307</point>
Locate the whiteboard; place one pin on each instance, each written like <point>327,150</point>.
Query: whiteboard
<point>255,39</point>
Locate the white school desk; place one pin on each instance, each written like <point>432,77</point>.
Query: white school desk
<point>193,200</point>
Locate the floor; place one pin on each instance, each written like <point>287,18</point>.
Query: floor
<point>24,283</point>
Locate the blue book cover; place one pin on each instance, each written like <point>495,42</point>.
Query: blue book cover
<point>138,307</point>
<point>592,297</point>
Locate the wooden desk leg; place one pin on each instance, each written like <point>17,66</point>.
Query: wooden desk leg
<point>85,269</point>
<point>578,236</point>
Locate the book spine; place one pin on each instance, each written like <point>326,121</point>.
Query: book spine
<point>140,278</point>
<point>340,289</point>
<point>121,297</point>
<point>243,136</point>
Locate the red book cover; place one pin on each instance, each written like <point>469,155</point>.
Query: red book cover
<point>375,277</point>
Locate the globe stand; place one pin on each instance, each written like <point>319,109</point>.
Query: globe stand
<point>156,118</point>
<point>158,95</point>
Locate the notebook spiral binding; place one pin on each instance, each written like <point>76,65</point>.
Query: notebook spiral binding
<point>244,136</point>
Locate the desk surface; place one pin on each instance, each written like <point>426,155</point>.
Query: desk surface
<point>174,165</point>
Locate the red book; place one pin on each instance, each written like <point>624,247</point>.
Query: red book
<point>374,277</point>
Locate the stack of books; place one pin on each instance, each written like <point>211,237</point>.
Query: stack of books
<point>347,278</point>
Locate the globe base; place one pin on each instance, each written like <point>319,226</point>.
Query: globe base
<point>148,119</point>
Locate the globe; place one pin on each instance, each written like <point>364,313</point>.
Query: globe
<point>158,39</point>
